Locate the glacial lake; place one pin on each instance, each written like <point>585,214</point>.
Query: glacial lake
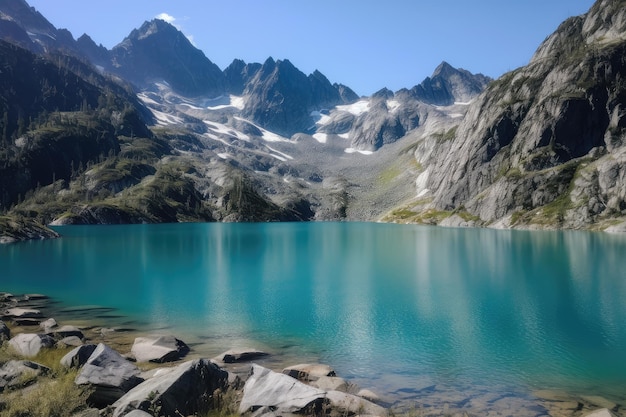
<point>406,311</point>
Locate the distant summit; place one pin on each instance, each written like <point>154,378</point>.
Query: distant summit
<point>22,25</point>
<point>448,85</point>
<point>157,51</point>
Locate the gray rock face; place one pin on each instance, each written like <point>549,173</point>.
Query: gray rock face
<point>280,97</point>
<point>182,390</point>
<point>448,85</point>
<point>23,313</point>
<point>48,325</point>
<point>239,355</point>
<point>12,373</point>
<point>5,332</point>
<point>309,372</point>
<point>158,51</point>
<point>545,143</point>
<point>78,356</point>
<point>66,331</point>
<point>109,374</point>
<point>158,349</point>
<point>268,392</point>
<point>30,344</point>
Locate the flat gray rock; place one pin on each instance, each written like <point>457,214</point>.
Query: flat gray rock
<point>47,325</point>
<point>30,344</point>
<point>309,372</point>
<point>12,373</point>
<point>158,349</point>
<point>70,341</point>
<point>175,391</point>
<point>240,355</point>
<point>66,331</point>
<point>109,374</point>
<point>23,313</point>
<point>348,404</point>
<point>272,393</point>
<point>278,392</point>
<point>330,383</point>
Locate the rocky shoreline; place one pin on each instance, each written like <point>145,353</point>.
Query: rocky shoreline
<point>118,373</point>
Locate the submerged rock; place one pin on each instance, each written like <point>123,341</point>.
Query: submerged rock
<point>30,344</point>
<point>183,390</point>
<point>273,393</point>
<point>309,372</point>
<point>603,412</point>
<point>330,383</point>
<point>240,355</point>
<point>23,313</point>
<point>109,374</point>
<point>159,349</point>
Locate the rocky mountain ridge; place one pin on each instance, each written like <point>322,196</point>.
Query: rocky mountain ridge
<point>543,146</point>
<point>264,141</point>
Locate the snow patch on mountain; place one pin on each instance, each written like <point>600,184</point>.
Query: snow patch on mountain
<point>393,105</point>
<point>357,109</point>
<point>361,151</point>
<point>320,137</point>
<point>165,119</point>
<point>223,129</point>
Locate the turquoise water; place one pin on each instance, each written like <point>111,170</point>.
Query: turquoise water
<point>400,307</point>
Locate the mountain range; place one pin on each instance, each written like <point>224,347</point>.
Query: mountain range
<point>153,131</point>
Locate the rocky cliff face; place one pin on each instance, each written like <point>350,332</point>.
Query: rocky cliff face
<point>543,146</point>
<point>448,85</point>
<point>281,98</point>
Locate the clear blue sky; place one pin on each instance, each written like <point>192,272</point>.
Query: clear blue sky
<point>365,44</point>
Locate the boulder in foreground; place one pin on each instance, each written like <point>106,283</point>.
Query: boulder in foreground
<point>109,374</point>
<point>159,349</point>
<point>30,344</point>
<point>268,392</point>
<point>183,390</point>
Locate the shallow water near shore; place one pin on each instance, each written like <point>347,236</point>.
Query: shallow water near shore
<point>423,315</point>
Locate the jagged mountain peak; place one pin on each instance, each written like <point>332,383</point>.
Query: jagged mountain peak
<point>543,145</point>
<point>448,85</point>
<point>26,27</point>
<point>157,51</point>
<point>443,69</point>
<point>28,17</point>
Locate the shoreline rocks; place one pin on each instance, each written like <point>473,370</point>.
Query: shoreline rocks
<point>158,349</point>
<point>231,382</point>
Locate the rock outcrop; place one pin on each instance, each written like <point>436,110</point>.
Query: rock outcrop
<point>78,356</point>
<point>5,332</point>
<point>184,390</point>
<point>158,349</point>
<point>13,374</point>
<point>273,393</point>
<point>109,374</point>
<point>544,145</point>
<point>30,344</point>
